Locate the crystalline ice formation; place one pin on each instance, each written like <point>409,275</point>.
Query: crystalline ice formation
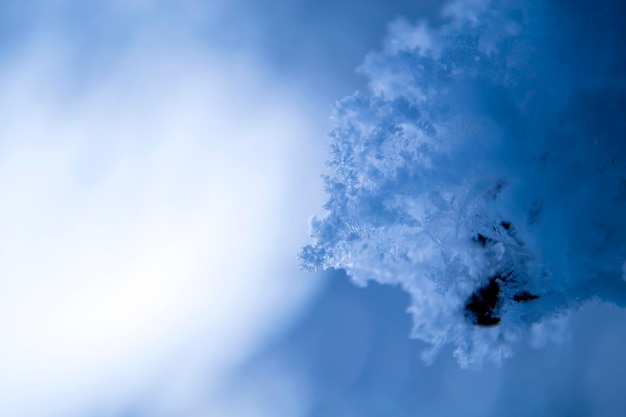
<point>484,171</point>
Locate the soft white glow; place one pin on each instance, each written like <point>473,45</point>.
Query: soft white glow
<point>142,210</point>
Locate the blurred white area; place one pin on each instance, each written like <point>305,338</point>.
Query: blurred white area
<point>153,207</point>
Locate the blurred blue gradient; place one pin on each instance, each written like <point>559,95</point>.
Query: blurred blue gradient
<point>352,346</point>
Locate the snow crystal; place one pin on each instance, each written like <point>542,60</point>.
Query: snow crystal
<point>484,171</point>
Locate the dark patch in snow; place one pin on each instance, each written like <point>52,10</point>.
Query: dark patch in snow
<point>524,296</point>
<point>483,240</point>
<point>483,302</point>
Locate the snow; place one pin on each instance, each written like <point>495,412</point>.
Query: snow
<point>486,153</point>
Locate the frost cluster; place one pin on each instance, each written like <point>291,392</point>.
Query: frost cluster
<point>484,171</point>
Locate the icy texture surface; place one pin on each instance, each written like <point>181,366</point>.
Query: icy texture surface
<point>484,172</point>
